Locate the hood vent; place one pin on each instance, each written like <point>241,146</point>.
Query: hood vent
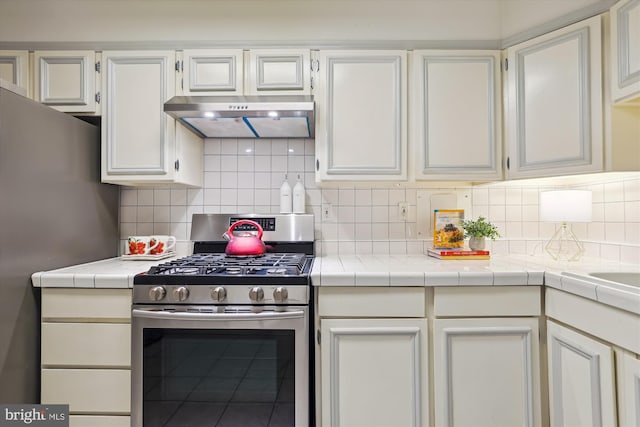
<point>245,116</point>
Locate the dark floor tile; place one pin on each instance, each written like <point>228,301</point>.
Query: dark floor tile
<point>230,368</point>
<point>196,414</point>
<point>212,389</point>
<point>172,388</point>
<point>256,390</point>
<point>242,349</point>
<point>246,415</point>
<point>283,415</point>
<point>287,391</point>
<point>156,414</point>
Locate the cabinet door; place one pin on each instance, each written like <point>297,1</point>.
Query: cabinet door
<point>456,130</point>
<point>212,72</point>
<point>554,92</point>
<point>14,67</point>
<point>628,374</point>
<point>487,372</point>
<point>137,136</point>
<point>581,389</point>
<point>625,50</point>
<point>374,372</point>
<point>278,72</point>
<point>66,80</point>
<point>361,116</point>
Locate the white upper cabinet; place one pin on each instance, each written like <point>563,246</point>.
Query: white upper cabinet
<point>212,72</point>
<point>554,103</point>
<point>14,67</point>
<point>278,72</point>
<point>140,143</point>
<point>625,50</point>
<point>361,116</point>
<point>456,115</point>
<point>234,72</point>
<point>66,80</point>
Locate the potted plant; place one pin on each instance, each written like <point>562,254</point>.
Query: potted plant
<point>477,231</point>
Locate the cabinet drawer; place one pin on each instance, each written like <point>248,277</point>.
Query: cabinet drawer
<point>86,344</point>
<point>86,304</point>
<point>487,301</point>
<point>100,391</point>
<point>99,421</point>
<point>371,302</point>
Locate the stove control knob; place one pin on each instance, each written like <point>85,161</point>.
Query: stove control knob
<point>256,294</point>
<point>181,293</point>
<point>157,293</point>
<point>280,294</point>
<point>218,294</point>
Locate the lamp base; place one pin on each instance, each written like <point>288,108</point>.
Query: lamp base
<point>564,245</point>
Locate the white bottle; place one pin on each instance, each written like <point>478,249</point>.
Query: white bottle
<point>285,196</point>
<point>298,197</point>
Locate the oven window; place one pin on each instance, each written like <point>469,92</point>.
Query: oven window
<point>196,378</point>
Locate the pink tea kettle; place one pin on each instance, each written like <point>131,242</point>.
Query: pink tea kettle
<point>246,243</point>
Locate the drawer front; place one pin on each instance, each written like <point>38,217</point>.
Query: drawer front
<point>487,301</point>
<point>86,304</point>
<point>99,421</point>
<point>98,391</point>
<point>86,344</point>
<point>371,302</point>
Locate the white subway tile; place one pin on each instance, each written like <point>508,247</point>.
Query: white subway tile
<point>262,180</point>
<point>363,197</point>
<point>496,213</point>
<point>179,230</point>
<point>310,147</point>
<point>363,214</point>
<point>246,164</point>
<point>245,180</point>
<point>513,196</point>
<point>513,213</point>
<point>262,163</point>
<point>632,232</point>
<point>613,192</point>
<point>614,212</point>
<point>128,213</point>
<point>380,247</point>
<point>161,214</point>
<point>211,163</point>
<point>212,146</point>
<point>398,247</point>
<point>247,146</point>
<point>595,231</point>
<point>329,231</point>
<point>262,197</point>
<point>145,197</point>
<point>380,214</point>
<point>630,255</point>
<point>128,229</point>
<point>145,214</point>
<point>380,231</point>
<point>379,197</point>
<point>396,196</point>
<point>364,247</point>
<point>363,231</point>
<point>279,147</point>
<point>330,195</point>
<point>229,197</point>
<point>632,211</point>
<point>497,196</point>
<point>144,228</point>
<point>245,198</point>
<point>632,189</point>
<point>530,196</point>
<point>513,230</point>
<point>262,147</point>
<point>347,248</point>
<point>229,180</point>
<point>346,196</point>
<point>128,197</point>
<point>211,196</point>
<point>346,214</point>
<point>480,196</point>
<point>195,196</point>
<point>178,214</point>
<point>610,252</point>
<point>229,163</point>
<point>229,146</point>
<point>296,146</point>
<point>397,230</point>
<point>346,231</point>
<point>530,229</point>
<point>295,165</point>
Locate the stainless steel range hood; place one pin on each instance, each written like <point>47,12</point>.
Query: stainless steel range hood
<point>245,116</point>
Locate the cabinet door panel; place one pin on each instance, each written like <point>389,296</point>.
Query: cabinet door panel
<point>628,370</point>
<point>212,72</point>
<point>65,80</point>
<point>86,344</point>
<point>102,391</point>
<point>362,116</point>
<point>278,71</point>
<point>14,67</point>
<point>486,372</point>
<point>581,389</point>
<point>137,135</point>
<point>457,107</point>
<point>374,372</point>
<point>625,50</point>
<point>555,103</point>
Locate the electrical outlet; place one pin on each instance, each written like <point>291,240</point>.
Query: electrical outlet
<point>403,210</point>
<point>327,212</point>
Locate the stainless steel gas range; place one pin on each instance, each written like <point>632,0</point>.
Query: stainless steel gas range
<point>221,340</point>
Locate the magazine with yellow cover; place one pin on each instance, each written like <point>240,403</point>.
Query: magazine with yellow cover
<point>447,228</point>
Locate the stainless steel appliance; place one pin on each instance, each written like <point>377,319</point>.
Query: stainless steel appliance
<point>221,340</point>
<point>54,212</point>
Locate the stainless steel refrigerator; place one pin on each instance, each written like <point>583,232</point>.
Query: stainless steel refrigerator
<point>54,212</point>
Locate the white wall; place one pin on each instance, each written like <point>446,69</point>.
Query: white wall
<point>293,21</point>
<point>245,176</point>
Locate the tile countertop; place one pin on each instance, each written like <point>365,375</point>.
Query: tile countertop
<point>421,270</point>
<point>107,273</point>
<point>398,270</point>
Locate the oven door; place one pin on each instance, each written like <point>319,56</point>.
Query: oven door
<point>237,368</point>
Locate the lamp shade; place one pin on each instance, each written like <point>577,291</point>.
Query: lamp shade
<point>565,206</point>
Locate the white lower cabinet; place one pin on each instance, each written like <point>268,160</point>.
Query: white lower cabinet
<point>86,354</point>
<point>581,379</point>
<point>373,370</point>
<point>628,379</point>
<point>486,372</point>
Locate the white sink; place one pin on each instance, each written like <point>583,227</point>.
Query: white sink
<point>625,278</point>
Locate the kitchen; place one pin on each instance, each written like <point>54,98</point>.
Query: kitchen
<point>353,217</point>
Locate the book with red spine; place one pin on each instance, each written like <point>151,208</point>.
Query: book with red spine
<point>458,254</point>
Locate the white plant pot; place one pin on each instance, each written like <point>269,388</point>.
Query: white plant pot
<point>476,243</point>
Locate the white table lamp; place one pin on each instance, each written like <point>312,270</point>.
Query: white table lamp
<point>565,207</point>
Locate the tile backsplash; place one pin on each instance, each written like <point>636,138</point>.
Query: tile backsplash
<point>245,175</point>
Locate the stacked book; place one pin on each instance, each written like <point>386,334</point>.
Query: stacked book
<point>463,254</point>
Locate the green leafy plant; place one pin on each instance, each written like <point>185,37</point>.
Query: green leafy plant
<point>479,228</point>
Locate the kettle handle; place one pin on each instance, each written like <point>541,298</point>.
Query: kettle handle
<point>245,221</point>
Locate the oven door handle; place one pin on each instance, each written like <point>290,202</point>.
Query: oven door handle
<point>175,315</point>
